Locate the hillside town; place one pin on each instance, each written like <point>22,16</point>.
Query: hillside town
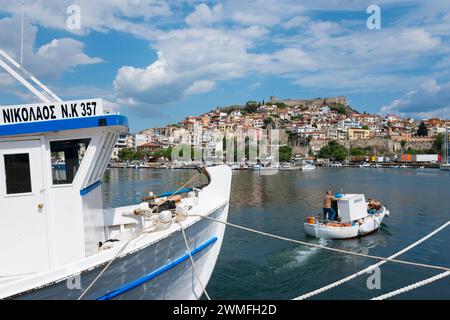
<point>306,126</point>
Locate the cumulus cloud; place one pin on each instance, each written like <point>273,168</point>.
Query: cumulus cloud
<point>200,86</point>
<point>429,100</point>
<point>295,22</point>
<point>201,45</point>
<point>100,15</point>
<point>203,15</point>
<point>192,61</point>
<point>48,61</point>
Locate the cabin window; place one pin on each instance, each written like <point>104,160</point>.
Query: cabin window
<point>66,159</point>
<point>17,170</point>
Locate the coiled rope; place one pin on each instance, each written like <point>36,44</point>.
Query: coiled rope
<point>370,268</point>
<point>412,286</point>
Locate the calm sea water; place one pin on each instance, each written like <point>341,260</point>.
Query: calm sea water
<point>254,267</point>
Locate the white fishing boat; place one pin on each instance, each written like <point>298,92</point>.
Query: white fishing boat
<point>308,166</point>
<point>356,218</point>
<point>56,238</point>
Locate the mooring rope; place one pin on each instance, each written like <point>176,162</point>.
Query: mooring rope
<point>132,238</point>
<point>192,261</point>
<point>353,276</point>
<point>416,264</point>
<point>413,286</point>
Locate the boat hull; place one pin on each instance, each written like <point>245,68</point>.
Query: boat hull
<point>365,226</point>
<point>159,271</point>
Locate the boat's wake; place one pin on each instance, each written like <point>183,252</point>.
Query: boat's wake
<point>298,256</point>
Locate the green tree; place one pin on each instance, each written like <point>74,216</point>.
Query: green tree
<point>285,153</point>
<point>437,144</point>
<point>340,109</point>
<point>333,151</point>
<point>126,154</point>
<point>280,105</point>
<point>298,117</point>
<point>357,151</point>
<point>422,131</point>
<point>365,127</point>
<point>251,106</point>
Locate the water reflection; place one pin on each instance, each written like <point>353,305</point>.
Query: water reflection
<point>254,267</point>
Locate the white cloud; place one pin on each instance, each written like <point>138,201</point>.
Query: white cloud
<point>211,43</point>
<point>50,60</point>
<point>204,16</point>
<point>193,60</point>
<point>295,22</point>
<point>200,86</point>
<point>429,100</point>
<point>61,55</point>
<point>100,15</point>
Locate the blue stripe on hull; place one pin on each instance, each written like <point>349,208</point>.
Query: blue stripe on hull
<point>90,188</point>
<point>157,272</point>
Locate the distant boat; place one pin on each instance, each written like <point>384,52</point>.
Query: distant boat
<point>289,167</point>
<point>256,167</point>
<point>308,167</point>
<point>357,218</point>
<point>364,165</point>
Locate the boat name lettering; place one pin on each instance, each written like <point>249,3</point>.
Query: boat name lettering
<point>50,111</point>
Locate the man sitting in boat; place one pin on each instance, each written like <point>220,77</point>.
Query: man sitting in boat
<point>373,206</point>
<point>327,208</point>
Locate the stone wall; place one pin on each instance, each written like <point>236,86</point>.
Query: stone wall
<point>379,146</point>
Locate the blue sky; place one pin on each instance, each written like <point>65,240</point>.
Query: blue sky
<point>159,61</point>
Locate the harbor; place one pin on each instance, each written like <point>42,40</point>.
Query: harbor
<point>255,267</point>
<point>219,157</point>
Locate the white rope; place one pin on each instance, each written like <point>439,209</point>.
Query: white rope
<point>145,230</point>
<point>193,263</point>
<point>412,286</point>
<point>370,268</point>
<point>423,265</point>
<point>109,264</point>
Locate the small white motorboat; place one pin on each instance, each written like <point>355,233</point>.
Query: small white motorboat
<point>357,218</point>
<point>256,167</point>
<point>289,167</point>
<point>364,165</point>
<point>308,166</point>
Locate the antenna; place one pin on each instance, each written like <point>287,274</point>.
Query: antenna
<point>21,40</point>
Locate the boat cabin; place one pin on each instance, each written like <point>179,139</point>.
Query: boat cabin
<point>351,207</point>
<point>52,160</point>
